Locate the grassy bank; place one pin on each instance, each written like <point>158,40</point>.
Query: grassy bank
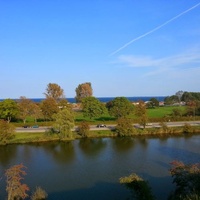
<point>34,137</point>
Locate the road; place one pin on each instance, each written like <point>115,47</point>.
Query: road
<point>112,126</point>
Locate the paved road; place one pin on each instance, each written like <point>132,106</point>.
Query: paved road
<point>112,126</point>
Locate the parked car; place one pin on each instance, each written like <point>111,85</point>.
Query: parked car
<point>26,126</point>
<point>35,126</point>
<point>101,125</point>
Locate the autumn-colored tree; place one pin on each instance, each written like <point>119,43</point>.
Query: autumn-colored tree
<point>120,107</point>
<point>6,131</point>
<point>8,109</point>
<point>141,113</point>
<point>49,107</point>
<point>83,129</point>
<point>14,188</point>
<point>83,90</point>
<point>64,122</point>
<point>25,108</point>
<point>35,111</point>
<point>92,107</point>
<point>54,91</point>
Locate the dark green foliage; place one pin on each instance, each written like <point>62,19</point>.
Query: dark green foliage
<point>190,96</point>
<point>120,107</point>
<point>170,100</point>
<point>187,180</point>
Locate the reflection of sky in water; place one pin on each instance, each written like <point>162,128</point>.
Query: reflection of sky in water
<point>95,165</point>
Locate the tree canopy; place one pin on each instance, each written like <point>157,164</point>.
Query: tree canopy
<point>64,122</point>
<point>54,91</point>
<point>120,107</point>
<point>83,90</point>
<point>92,107</point>
<point>8,109</point>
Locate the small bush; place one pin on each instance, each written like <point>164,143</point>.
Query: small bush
<point>187,128</point>
<point>39,194</point>
<point>83,129</point>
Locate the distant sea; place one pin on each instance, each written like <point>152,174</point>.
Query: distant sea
<point>107,99</point>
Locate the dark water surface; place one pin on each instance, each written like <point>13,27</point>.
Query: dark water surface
<point>91,168</point>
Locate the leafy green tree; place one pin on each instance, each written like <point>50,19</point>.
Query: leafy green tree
<point>49,107</point>
<point>124,127</point>
<point>8,109</point>
<point>141,113</point>
<point>120,107</point>
<point>83,90</point>
<point>14,188</point>
<point>171,100</point>
<point>154,102</point>
<point>83,129</point>
<point>6,131</point>
<point>92,107</point>
<point>54,91</point>
<point>64,122</point>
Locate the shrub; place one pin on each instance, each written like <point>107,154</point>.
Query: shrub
<point>83,129</point>
<point>187,128</point>
<point>39,194</point>
<point>124,127</point>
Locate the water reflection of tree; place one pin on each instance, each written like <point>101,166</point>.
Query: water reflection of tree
<point>92,147</point>
<point>123,144</point>
<point>62,152</point>
<point>7,154</point>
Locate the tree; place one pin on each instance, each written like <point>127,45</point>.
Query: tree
<point>6,131</point>
<point>187,180</point>
<point>49,108</point>
<point>25,108</point>
<point>8,109</point>
<point>14,188</point>
<point>154,102</point>
<point>171,100</point>
<point>35,111</point>
<point>64,122</point>
<point>83,90</point>
<point>120,107</point>
<point>83,129</point>
<point>124,127</point>
<point>92,107</point>
<point>54,91</point>
<point>141,113</point>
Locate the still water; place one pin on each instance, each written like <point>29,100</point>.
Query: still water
<point>91,168</point>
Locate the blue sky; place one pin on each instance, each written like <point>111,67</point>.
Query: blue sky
<point>124,48</point>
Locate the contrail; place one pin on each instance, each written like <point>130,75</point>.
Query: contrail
<point>153,30</point>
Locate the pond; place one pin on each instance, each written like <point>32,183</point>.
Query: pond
<point>91,168</point>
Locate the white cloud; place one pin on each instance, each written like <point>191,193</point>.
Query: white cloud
<point>187,60</point>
